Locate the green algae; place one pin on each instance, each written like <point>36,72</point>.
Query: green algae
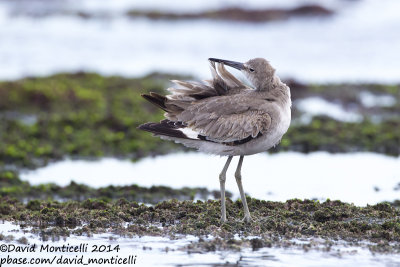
<point>272,221</point>
<point>325,134</point>
<point>79,114</point>
<point>12,186</point>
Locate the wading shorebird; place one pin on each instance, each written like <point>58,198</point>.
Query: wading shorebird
<point>226,117</point>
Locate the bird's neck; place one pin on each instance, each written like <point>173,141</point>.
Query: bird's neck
<point>270,83</point>
<point>276,89</point>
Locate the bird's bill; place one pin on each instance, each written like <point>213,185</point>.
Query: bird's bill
<point>233,64</point>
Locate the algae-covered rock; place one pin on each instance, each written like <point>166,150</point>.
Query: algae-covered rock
<point>88,115</point>
<point>290,219</point>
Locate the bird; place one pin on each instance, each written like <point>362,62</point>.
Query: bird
<point>225,116</point>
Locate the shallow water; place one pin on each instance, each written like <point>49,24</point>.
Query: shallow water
<point>316,106</point>
<point>359,178</point>
<point>313,106</point>
<point>356,44</point>
<point>161,251</point>
<point>369,100</point>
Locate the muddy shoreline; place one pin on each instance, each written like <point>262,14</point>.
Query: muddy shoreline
<point>238,14</point>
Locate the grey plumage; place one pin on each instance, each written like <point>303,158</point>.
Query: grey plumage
<point>224,116</point>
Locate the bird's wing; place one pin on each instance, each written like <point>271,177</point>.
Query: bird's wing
<point>227,118</point>
<point>189,91</point>
<point>222,83</point>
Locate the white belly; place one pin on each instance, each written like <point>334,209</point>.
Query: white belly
<point>271,139</point>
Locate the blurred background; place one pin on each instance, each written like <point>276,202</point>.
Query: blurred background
<point>72,73</point>
<point>313,41</point>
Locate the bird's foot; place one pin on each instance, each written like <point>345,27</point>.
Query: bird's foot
<point>247,219</point>
<point>223,219</point>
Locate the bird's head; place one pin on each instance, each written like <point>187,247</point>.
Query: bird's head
<point>257,70</point>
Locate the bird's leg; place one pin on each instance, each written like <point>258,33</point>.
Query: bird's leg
<point>238,177</point>
<point>222,179</point>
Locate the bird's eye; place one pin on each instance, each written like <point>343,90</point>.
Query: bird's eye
<point>251,70</point>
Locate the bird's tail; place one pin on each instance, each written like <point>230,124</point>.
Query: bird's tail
<point>165,128</point>
<point>156,99</point>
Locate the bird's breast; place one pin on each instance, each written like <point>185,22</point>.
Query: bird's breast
<point>280,125</point>
<point>285,119</point>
